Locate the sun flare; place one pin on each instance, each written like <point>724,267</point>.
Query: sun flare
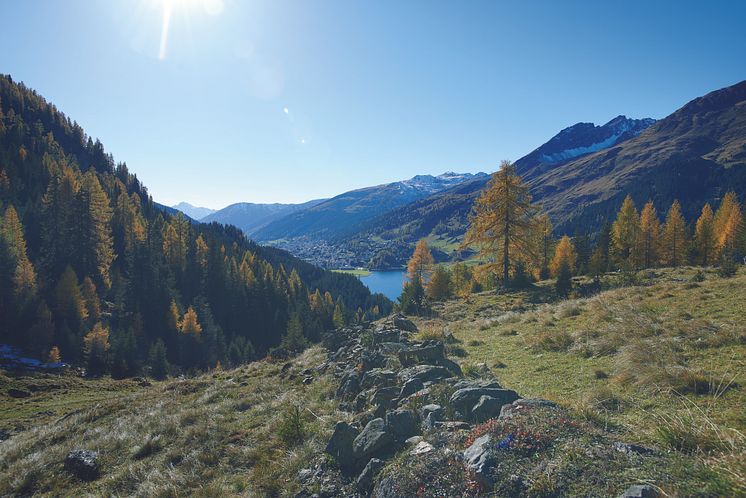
<point>168,7</point>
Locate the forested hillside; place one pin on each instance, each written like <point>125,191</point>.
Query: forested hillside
<point>91,270</point>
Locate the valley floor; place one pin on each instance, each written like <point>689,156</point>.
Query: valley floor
<point>661,364</point>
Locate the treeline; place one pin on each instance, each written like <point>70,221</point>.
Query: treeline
<point>516,244</point>
<point>93,272</point>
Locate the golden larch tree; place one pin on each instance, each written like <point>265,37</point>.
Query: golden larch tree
<point>503,224</point>
<point>648,240</point>
<point>189,324</point>
<point>704,236</point>
<point>421,263</point>
<point>674,236</point>
<point>625,230</point>
<point>564,253</point>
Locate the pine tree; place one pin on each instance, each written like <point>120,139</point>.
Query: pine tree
<point>41,333</point>
<point>704,237</point>
<point>294,340</point>
<point>95,224</point>
<point>504,226</point>
<point>412,299</point>
<point>421,262</point>
<point>674,236</point>
<point>157,360</point>
<point>339,315</point>
<point>69,304</point>
<point>461,279</point>
<point>564,254</point>
<point>648,242</point>
<point>625,231</point>
<point>439,286</point>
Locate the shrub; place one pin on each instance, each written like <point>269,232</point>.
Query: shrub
<point>292,427</point>
<point>153,444</point>
<point>548,340</point>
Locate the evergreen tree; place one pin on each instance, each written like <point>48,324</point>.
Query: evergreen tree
<point>504,225</point>
<point>339,315</point>
<point>92,303</point>
<point>461,279</point>
<point>545,230</point>
<point>674,236</point>
<point>294,340</point>
<point>95,225</point>
<point>158,360</point>
<point>412,299</point>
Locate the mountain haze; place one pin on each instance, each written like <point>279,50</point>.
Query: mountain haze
<point>194,212</point>
<point>349,212</point>
<point>250,217</point>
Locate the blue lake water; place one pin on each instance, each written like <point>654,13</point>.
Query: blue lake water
<point>388,283</point>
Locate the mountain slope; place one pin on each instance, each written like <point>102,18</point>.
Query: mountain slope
<point>694,155</point>
<point>348,212</point>
<point>250,217</point>
<point>194,212</point>
<point>87,258</point>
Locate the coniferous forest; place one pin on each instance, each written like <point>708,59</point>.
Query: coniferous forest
<point>94,273</point>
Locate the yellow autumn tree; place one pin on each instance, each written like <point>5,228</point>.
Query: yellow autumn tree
<point>624,231</point>
<point>504,226</point>
<point>189,324</point>
<point>729,225</point>
<point>704,237</point>
<point>14,244</point>
<point>564,253</point>
<point>648,241</point>
<point>421,262</point>
<point>674,236</point>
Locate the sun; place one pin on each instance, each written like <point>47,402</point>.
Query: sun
<point>168,7</point>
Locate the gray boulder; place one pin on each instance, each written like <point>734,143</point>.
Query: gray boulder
<point>425,373</point>
<point>402,323</point>
<point>464,399</point>
<point>378,378</point>
<point>402,423</point>
<point>486,408</point>
<point>429,352</point>
<point>380,336</point>
<point>366,477</point>
<point>83,464</point>
<point>479,460</point>
<point>340,446</point>
<point>375,440</point>
<point>410,387</point>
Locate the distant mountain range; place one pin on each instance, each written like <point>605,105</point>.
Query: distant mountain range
<point>350,212</point>
<point>251,217</point>
<point>194,212</point>
<point>580,176</point>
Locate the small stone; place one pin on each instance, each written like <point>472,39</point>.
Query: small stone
<point>478,459</point>
<point>421,448</point>
<point>640,491</point>
<point>83,464</point>
<point>307,380</point>
<point>18,393</point>
<point>631,449</point>
<point>410,387</point>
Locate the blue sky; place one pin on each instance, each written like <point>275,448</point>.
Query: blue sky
<point>285,101</point>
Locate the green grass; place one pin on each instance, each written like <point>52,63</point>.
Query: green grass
<point>669,350</point>
<point>358,272</point>
<point>244,432</point>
